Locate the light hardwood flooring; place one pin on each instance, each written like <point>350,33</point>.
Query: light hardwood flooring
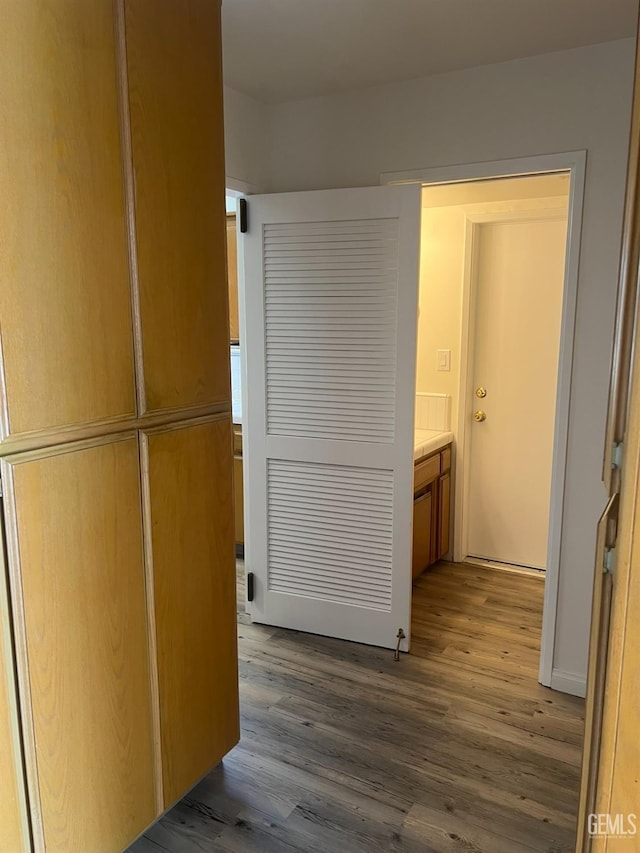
<point>454,748</point>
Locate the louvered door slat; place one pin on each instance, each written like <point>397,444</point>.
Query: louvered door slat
<point>325,320</point>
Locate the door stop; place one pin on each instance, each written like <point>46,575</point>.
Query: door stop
<point>399,636</point>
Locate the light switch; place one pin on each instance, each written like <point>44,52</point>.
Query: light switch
<point>443,360</point>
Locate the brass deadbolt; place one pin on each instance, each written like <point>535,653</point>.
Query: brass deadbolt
<point>481,392</point>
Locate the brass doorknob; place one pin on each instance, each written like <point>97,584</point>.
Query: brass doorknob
<point>479,416</point>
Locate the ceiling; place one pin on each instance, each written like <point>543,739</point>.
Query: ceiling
<point>282,50</point>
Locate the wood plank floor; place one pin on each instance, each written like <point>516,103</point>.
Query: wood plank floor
<point>454,748</point>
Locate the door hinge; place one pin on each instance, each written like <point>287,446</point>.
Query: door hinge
<point>250,586</point>
<point>616,455</point>
<point>609,561</point>
<point>244,216</point>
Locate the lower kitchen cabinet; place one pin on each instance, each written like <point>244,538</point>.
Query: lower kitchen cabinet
<point>80,614</point>
<point>422,538</point>
<point>191,522</point>
<point>431,509</point>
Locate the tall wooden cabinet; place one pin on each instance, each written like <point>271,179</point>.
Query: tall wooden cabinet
<point>118,660</point>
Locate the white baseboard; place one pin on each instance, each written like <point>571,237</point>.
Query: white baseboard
<point>568,682</point>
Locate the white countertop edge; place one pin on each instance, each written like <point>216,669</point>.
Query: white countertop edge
<point>428,441</point>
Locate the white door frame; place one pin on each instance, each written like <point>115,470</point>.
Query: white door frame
<point>573,162</point>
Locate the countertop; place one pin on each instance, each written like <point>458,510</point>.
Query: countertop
<point>428,441</point>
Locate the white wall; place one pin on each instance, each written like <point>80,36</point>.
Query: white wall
<point>442,248</point>
<point>440,300</point>
<point>579,99</point>
<point>246,141</point>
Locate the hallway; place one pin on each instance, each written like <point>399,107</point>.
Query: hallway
<point>454,748</point>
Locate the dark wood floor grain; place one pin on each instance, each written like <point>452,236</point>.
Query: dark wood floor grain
<point>454,748</point>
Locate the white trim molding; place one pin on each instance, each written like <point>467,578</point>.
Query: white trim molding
<point>519,167</point>
<point>568,682</point>
<point>573,162</point>
<point>236,188</point>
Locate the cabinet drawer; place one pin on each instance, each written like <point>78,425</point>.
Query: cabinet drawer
<point>425,471</point>
<point>446,459</point>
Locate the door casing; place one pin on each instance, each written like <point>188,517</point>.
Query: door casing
<point>573,162</point>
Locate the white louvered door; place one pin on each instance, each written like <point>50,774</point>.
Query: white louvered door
<point>329,291</point>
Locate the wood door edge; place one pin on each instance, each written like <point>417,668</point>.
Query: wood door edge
<point>128,182</point>
<point>152,636</point>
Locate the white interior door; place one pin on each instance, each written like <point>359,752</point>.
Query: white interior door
<point>329,291</point>
<point>518,291</point>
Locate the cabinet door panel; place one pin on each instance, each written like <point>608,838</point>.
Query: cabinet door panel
<point>444,514</point>
<point>175,99</point>
<point>65,296</point>
<point>78,519</point>
<point>422,538</point>
<point>192,533</point>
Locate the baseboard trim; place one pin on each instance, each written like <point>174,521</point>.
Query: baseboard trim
<point>494,565</point>
<point>568,682</point>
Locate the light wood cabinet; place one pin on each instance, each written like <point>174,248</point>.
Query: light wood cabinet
<point>444,514</point>
<point>190,509</point>
<point>78,583</point>
<point>175,101</point>
<point>118,661</point>
<point>65,280</point>
<point>422,538</point>
<point>432,509</point>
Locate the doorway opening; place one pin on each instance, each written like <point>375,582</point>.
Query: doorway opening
<point>495,329</point>
<point>329,291</point>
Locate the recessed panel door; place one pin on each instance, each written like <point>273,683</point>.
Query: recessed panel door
<point>518,291</point>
